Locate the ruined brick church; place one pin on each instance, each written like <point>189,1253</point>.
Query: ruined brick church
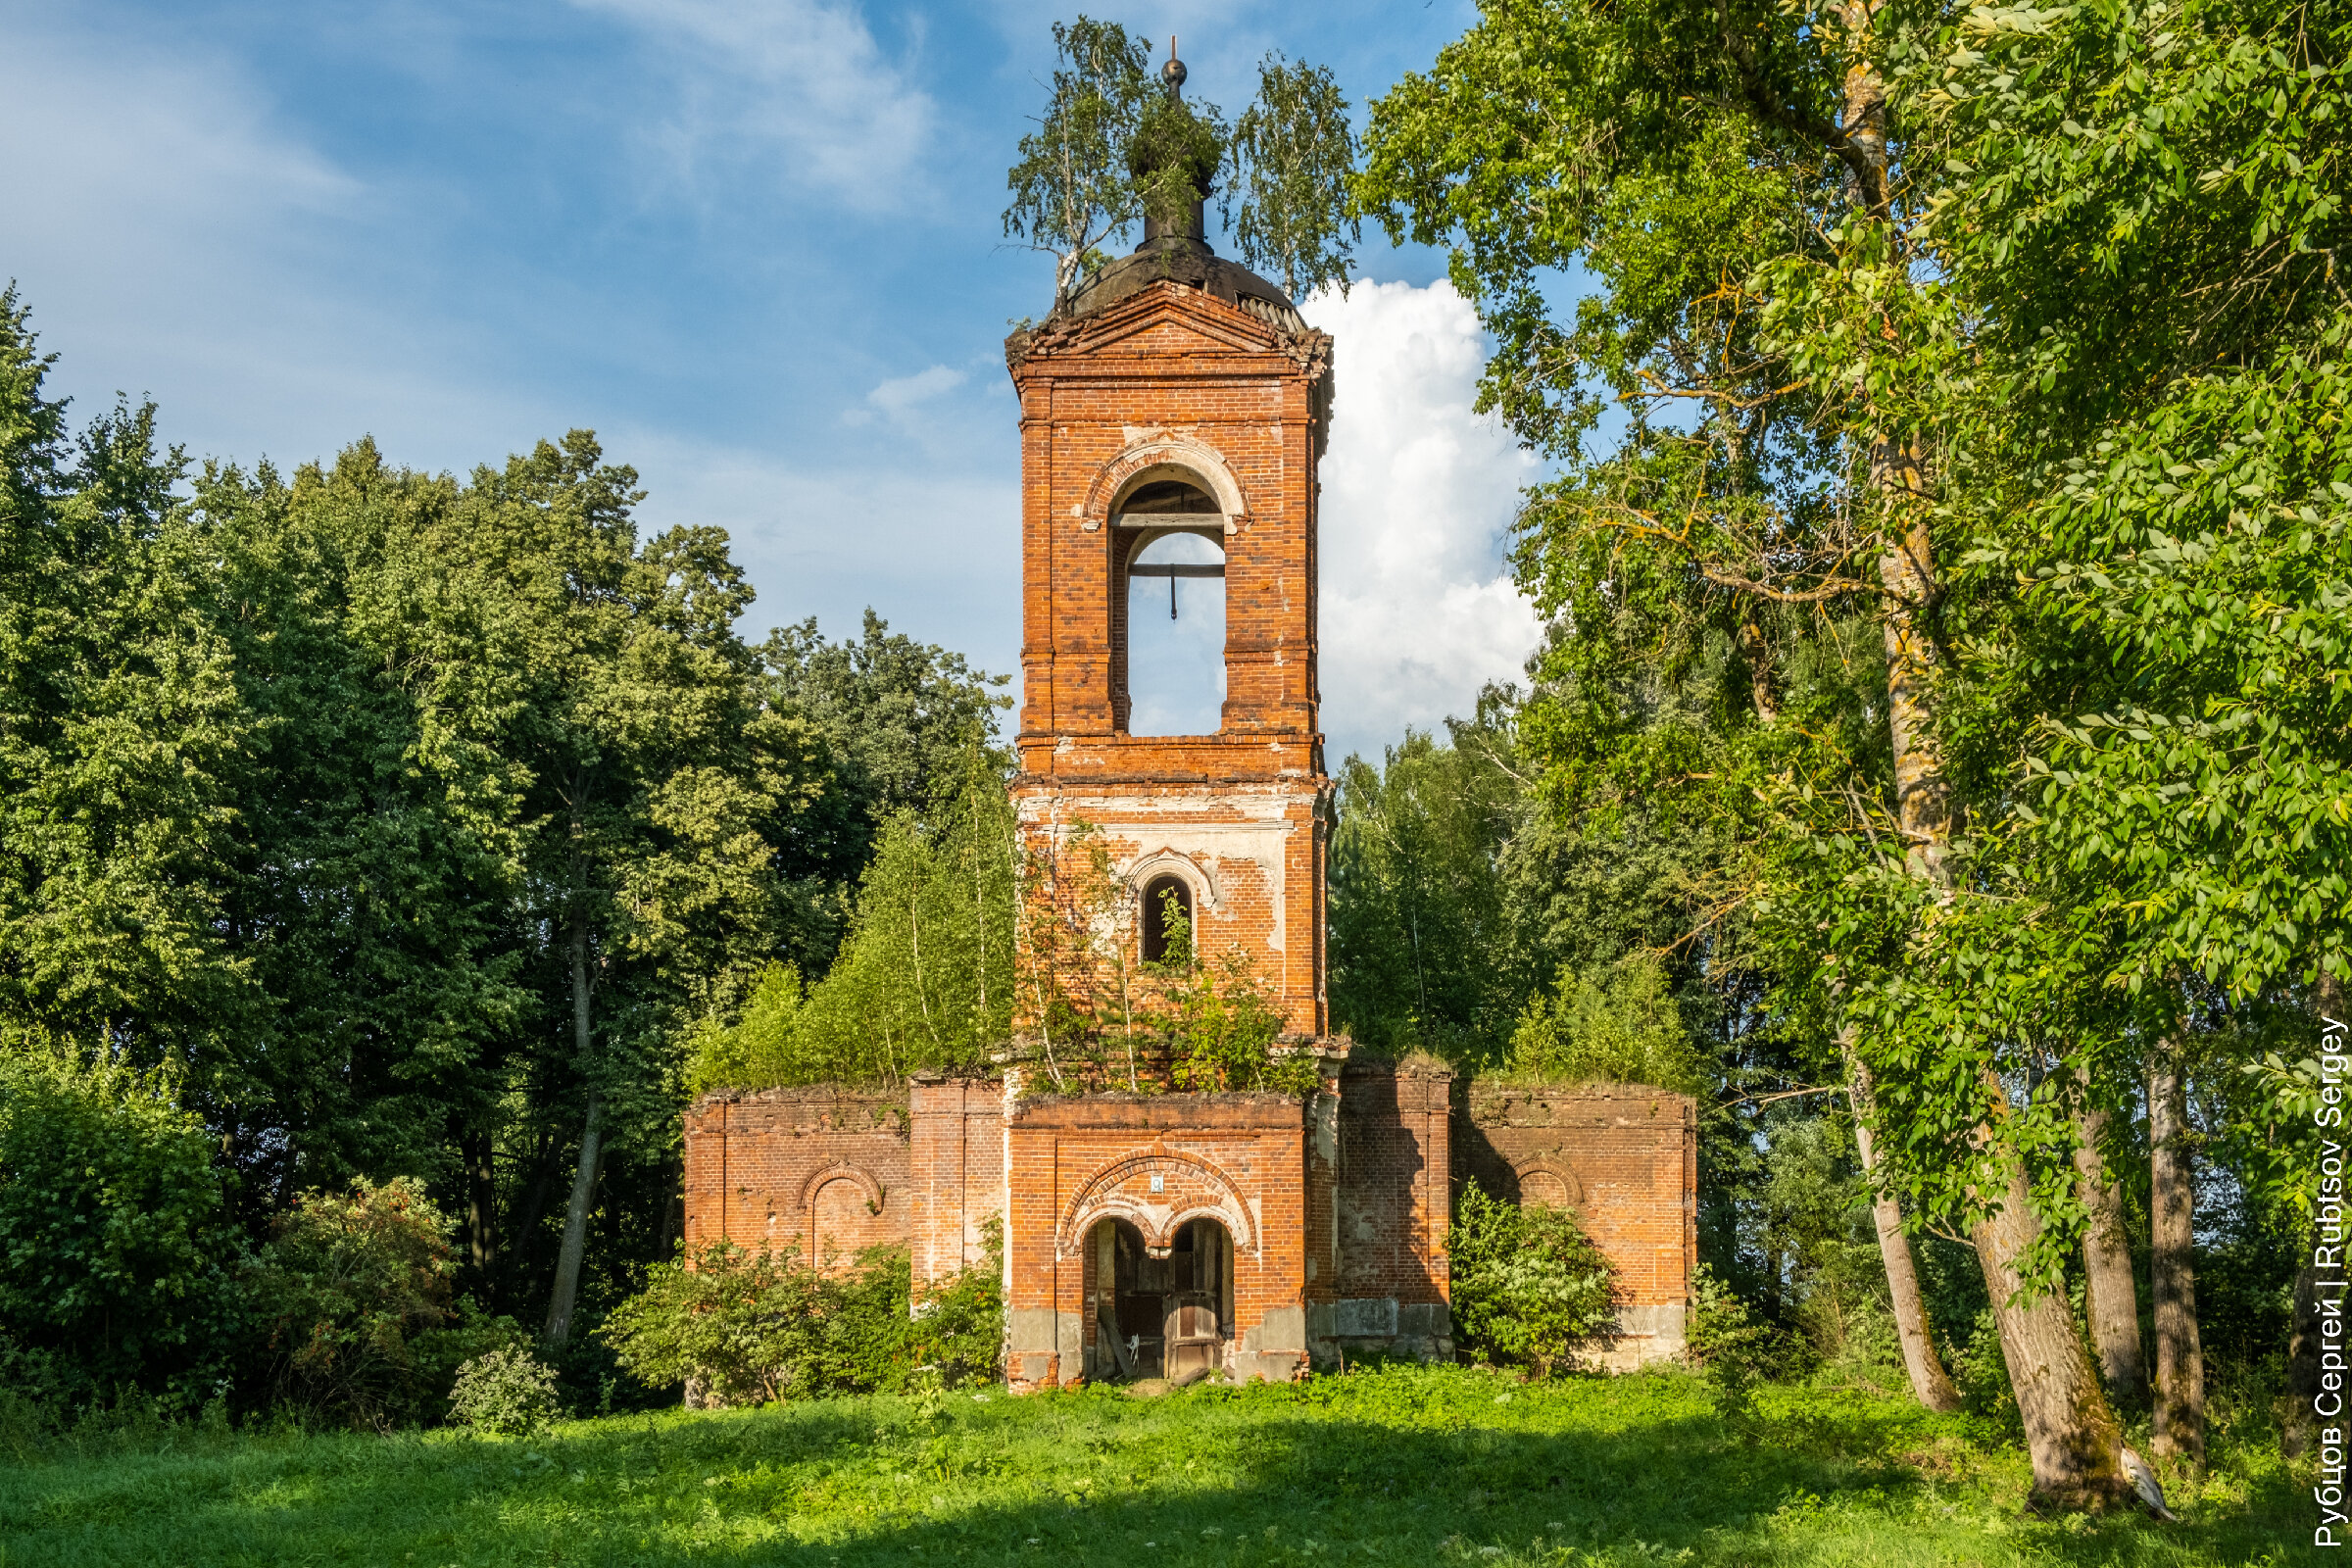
<point>1176,1234</point>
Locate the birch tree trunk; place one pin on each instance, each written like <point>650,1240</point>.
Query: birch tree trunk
<point>2110,1293</point>
<point>1929,1380</point>
<point>2070,1434</point>
<point>2172,1277</point>
<point>583,1182</point>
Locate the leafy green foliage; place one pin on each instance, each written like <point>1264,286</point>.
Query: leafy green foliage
<point>748,1328</point>
<point>1293,153</point>
<point>507,1393</point>
<point>341,1293</point>
<point>1174,155</point>
<point>1072,188</point>
<point>1115,146</point>
<point>1529,1289</point>
<point>1618,1026</point>
<point>898,721</point>
<point>117,1254</point>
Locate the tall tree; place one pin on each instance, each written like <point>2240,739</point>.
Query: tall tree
<point>898,721</point>
<point>1714,168</point>
<point>656,777</point>
<point>1073,190</point>
<point>123,743</point>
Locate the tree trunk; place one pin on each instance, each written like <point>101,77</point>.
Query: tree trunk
<point>478,1152</point>
<point>2172,1277</point>
<point>2072,1435</point>
<point>2109,1292</point>
<point>583,1183</point>
<point>1929,1380</point>
<point>2301,1424</point>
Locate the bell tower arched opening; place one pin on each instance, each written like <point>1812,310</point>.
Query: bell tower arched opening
<point>1168,553</point>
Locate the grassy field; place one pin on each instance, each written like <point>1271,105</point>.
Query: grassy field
<point>1423,1466</point>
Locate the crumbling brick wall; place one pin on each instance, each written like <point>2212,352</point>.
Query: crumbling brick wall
<point>821,1171</point>
<point>956,1161</point>
<point>1624,1158</point>
<point>1392,1208</point>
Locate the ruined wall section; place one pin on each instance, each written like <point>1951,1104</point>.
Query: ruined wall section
<point>821,1171</point>
<point>957,1164</point>
<point>1624,1158</point>
<point>1156,1161</point>
<point>1393,1206</point>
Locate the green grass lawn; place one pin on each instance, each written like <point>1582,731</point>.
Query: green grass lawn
<point>1414,1465</point>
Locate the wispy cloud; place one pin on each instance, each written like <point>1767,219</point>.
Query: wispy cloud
<point>898,398</point>
<point>799,84</point>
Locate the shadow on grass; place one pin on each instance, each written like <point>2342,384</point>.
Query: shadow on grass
<point>1394,1468</point>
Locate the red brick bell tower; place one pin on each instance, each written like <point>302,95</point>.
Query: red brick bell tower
<point>1178,393</point>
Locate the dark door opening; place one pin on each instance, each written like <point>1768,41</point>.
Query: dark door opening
<point>1162,1317</point>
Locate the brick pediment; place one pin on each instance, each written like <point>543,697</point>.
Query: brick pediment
<point>1165,320</point>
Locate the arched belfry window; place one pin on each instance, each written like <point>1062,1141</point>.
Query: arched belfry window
<point>1169,636</point>
<point>1167,921</point>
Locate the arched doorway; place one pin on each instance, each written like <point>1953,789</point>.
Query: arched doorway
<point>1160,1317</point>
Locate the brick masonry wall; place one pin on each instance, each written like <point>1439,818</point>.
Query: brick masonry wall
<point>1173,383</point>
<point>1156,1161</point>
<point>956,1168</point>
<point>1626,1157</point>
<point>769,1171</point>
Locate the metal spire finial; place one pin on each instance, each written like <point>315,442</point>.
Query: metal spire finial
<point>1173,72</point>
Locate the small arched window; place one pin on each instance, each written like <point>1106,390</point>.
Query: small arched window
<point>1167,921</point>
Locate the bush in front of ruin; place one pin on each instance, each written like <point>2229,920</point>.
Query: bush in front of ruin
<point>1530,1289</point>
<point>750,1328</point>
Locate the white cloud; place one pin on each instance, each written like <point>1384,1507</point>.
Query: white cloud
<point>900,396</point>
<point>1418,612</point>
<point>798,81</point>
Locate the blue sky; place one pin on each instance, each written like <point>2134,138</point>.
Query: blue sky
<point>754,245</point>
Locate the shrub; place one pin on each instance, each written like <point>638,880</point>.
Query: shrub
<point>1529,1286</point>
<point>436,1355</point>
<point>1733,1350</point>
<point>757,1049</point>
<point>117,1257</point>
<point>509,1393</point>
<point>752,1327</point>
<point>1619,1025</point>
<point>343,1294</point>
<point>740,1324</point>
